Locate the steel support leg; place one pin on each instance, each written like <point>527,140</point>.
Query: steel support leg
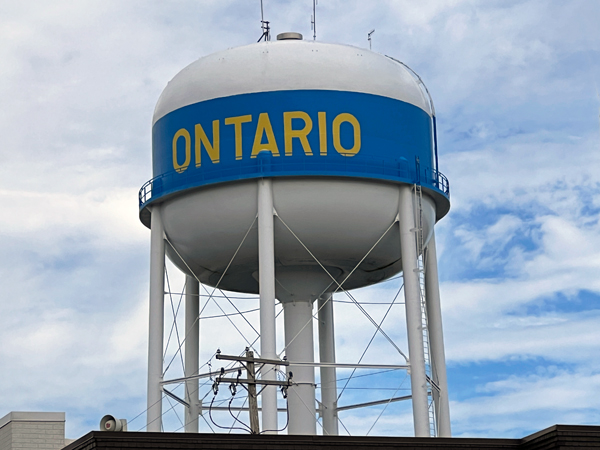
<point>157,319</point>
<point>414,325</point>
<point>192,350</point>
<point>266,273</point>
<point>328,374</point>
<point>436,341</point>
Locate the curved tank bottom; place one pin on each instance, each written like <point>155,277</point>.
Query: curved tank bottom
<point>338,220</point>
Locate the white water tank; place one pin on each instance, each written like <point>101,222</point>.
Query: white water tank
<point>335,127</point>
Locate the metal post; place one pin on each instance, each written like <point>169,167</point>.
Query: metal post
<point>436,341</point>
<point>192,348</point>
<point>266,273</point>
<point>157,319</point>
<point>414,324</point>
<point>328,374</point>
<point>299,348</point>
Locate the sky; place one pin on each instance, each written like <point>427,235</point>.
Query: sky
<point>515,85</point>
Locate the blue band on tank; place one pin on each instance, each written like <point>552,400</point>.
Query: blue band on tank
<point>292,133</point>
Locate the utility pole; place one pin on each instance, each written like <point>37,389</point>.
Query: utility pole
<point>248,361</point>
<point>252,399</point>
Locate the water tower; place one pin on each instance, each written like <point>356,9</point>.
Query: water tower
<point>322,160</point>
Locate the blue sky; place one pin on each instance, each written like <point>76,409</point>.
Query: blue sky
<point>515,84</point>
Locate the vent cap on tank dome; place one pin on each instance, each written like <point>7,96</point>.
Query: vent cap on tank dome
<point>290,35</point>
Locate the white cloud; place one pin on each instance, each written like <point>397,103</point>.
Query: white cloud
<point>108,214</point>
<point>538,400</point>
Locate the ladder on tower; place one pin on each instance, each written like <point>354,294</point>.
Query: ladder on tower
<point>418,208</point>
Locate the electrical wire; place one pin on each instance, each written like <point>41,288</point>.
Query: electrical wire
<point>216,424</point>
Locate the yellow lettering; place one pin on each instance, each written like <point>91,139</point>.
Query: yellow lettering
<point>337,144</point>
<point>290,133</point>
<point>182,133</point>
<point>211,149</point>
<point>322,134</point>
<point>264,127</point>
<point>237,123</point>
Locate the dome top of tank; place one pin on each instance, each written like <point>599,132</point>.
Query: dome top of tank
<point>290,64</point>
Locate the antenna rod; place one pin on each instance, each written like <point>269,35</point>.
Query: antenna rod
<point>264,25</point>
<point>262,13</point>
<point>369,37</point>
<point>314,20</point>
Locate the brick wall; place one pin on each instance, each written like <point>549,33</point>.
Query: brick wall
<point>32,430</point>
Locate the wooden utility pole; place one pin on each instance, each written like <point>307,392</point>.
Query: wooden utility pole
<point>252,397</point>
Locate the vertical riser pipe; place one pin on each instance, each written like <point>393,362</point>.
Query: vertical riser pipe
<point>299,348</point>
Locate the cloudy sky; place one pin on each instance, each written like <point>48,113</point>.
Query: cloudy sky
<point>515,85</point>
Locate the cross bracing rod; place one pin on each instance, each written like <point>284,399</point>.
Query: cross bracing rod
<point>354,366</point>
<point>286,363</point>
<point>242,409</point>
<point>433,384</point>
<point>251,381</point>
<point>197,377</point>
<point>375,403</point>
<point>176,398</point>
<point>340,284</point>
<point>276,362</point>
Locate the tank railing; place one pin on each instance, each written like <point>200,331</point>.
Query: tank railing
<point>391,169</point>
